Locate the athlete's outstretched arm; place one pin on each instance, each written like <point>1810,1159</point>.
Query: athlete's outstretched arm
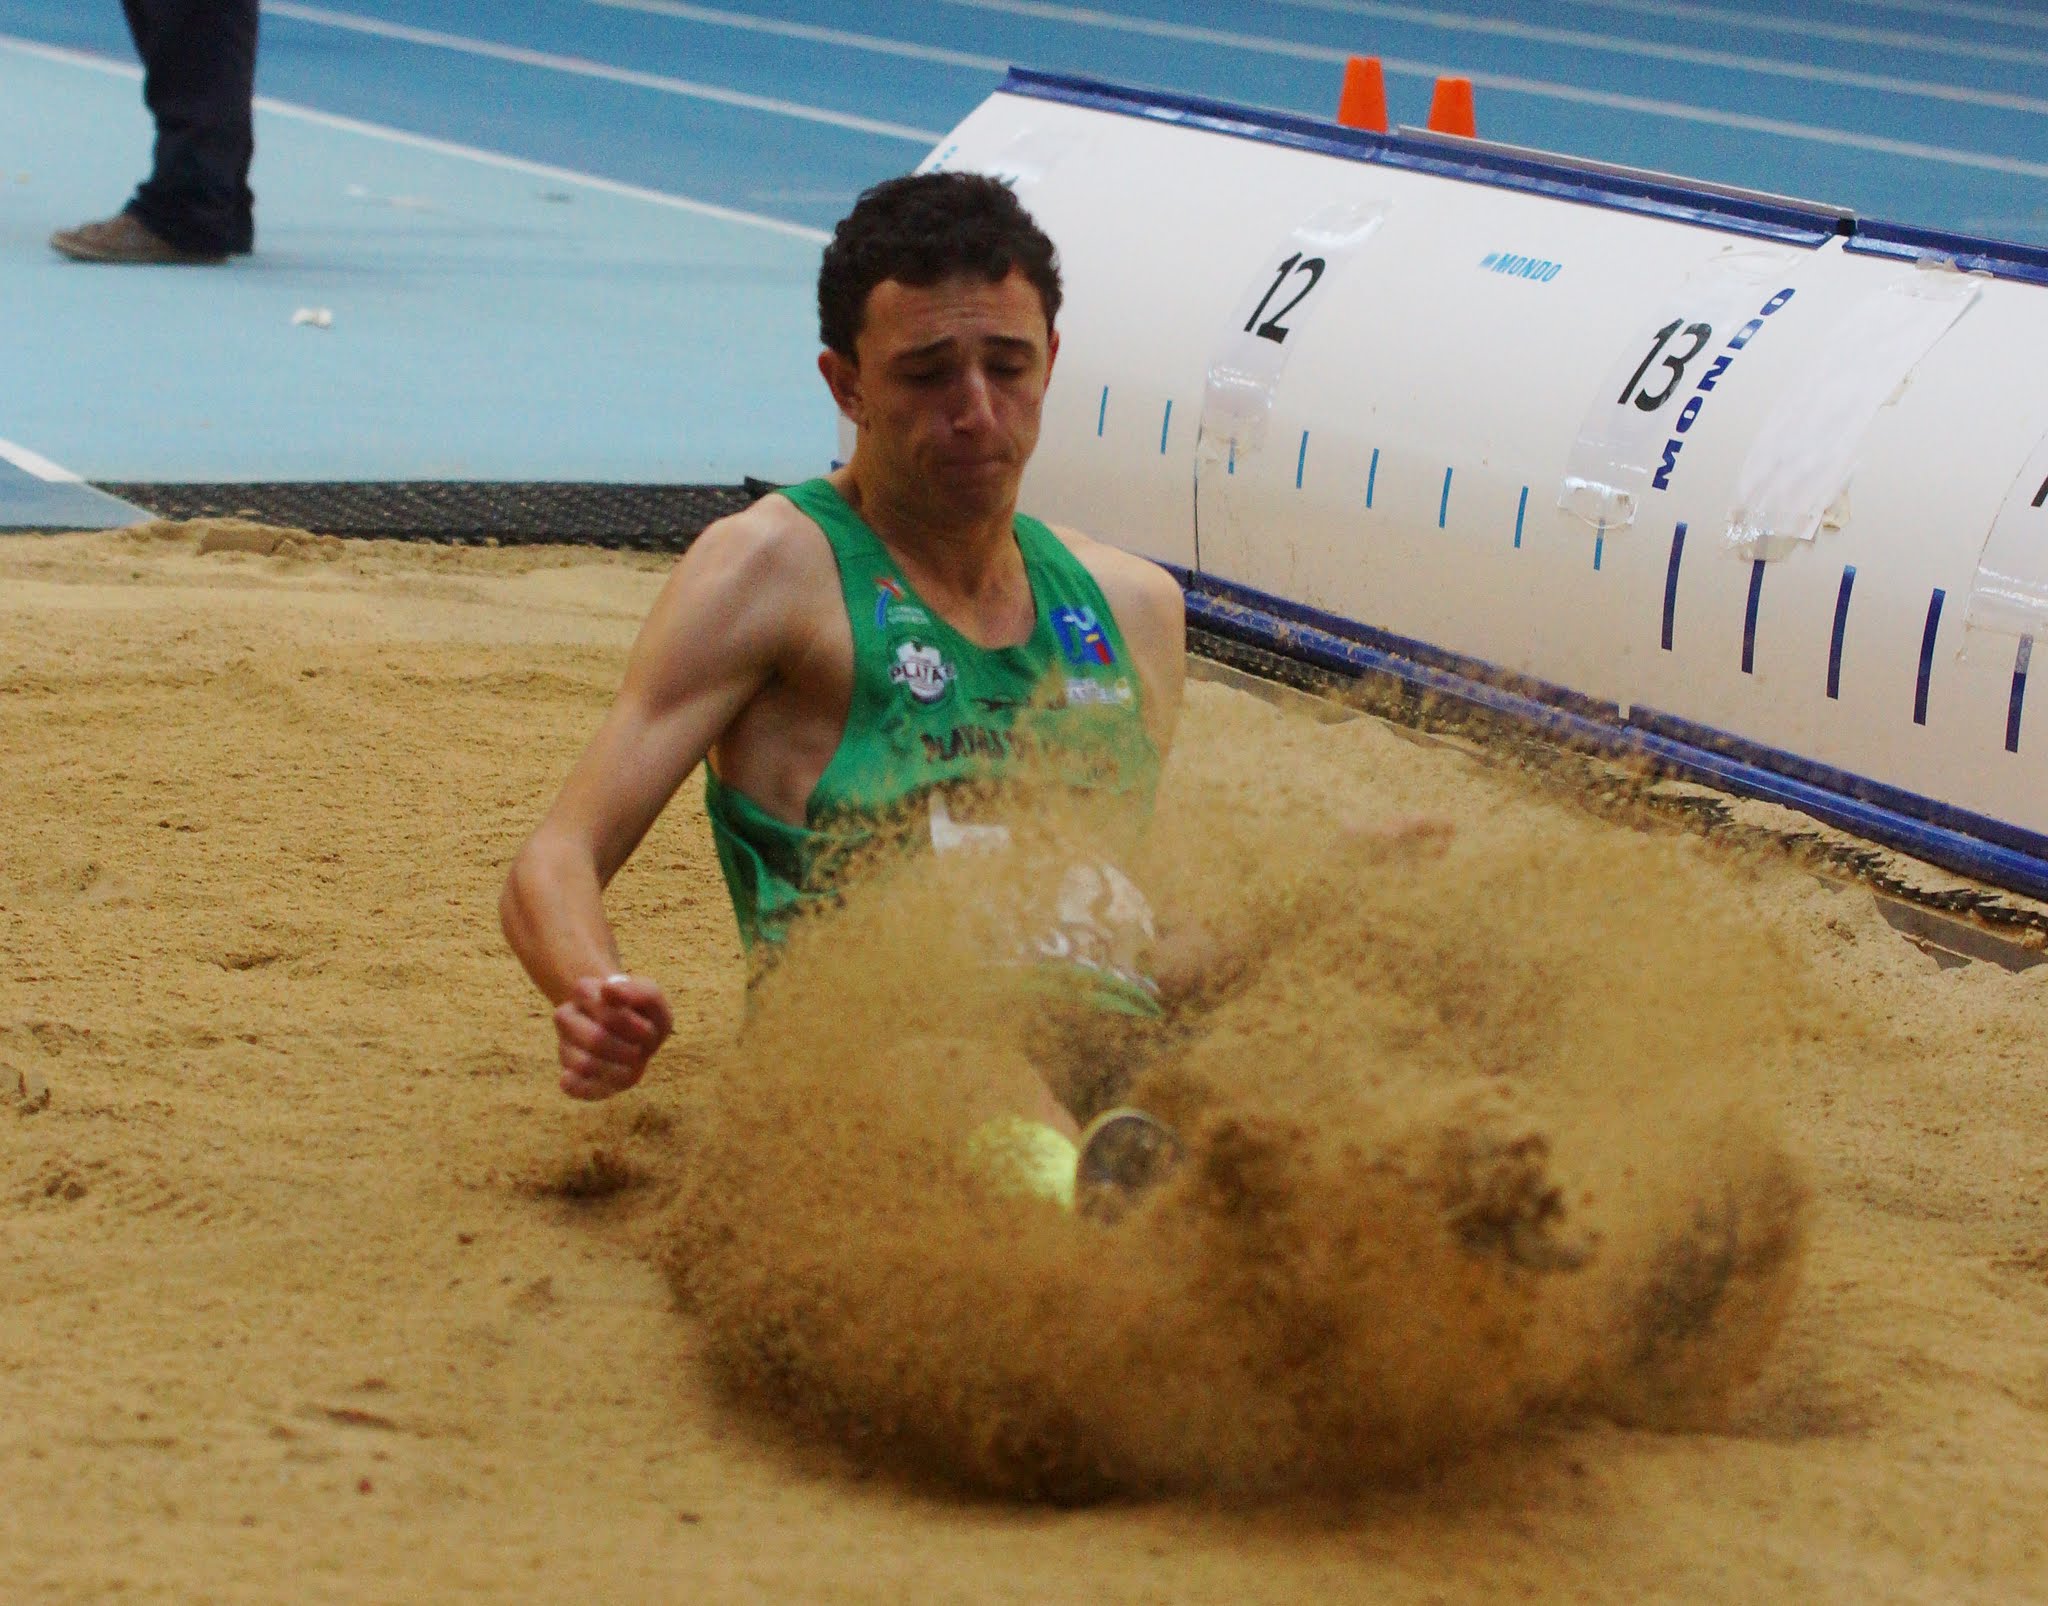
<point>713,639</point>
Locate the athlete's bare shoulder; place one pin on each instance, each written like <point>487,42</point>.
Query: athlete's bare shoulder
<point>751,595</point>
<point>770,542</point>
<point>765,566</point>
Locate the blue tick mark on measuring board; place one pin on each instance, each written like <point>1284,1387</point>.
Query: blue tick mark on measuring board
<point>1165,424</point>
<point>1756,592</point>
<point>1443,506</point>
<point>1371,474</point>
<point>1671,580</point>
<point>1927,655</point>
<point>1841,631</point>
<point>1301,462</point>
<point>1102,412</point>
<point>1521,508</point>
<point>2020,661</point>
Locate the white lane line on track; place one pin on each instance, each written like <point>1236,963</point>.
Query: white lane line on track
<point>1690,55</point>
<point>583,67</point>
<point>36,464</point>
<point>1508,84</point>
<point>1841,32</point>
<point>1948,10</point>
<point>804,30</point>
<point>567,175</point>
<point>445,147</point>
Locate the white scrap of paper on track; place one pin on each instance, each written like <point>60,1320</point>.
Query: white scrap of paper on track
<point>1799,464</point>
<point>313,318</point>
<point>1621,442</point>
<point>409,203</point>
<point>1290,287</point>
<point>2010,594</point>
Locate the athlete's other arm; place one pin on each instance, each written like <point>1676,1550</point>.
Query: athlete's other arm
<point>1191,960</point>
<point>1152,615</point>
<point>1187,959</point>
<point>720,629</point>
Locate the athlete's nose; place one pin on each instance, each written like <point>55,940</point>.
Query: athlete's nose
<point>977,410</point>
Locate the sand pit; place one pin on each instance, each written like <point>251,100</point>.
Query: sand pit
<point>319,1290</point>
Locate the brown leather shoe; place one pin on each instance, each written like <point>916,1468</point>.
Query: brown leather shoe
<point>124,237</point>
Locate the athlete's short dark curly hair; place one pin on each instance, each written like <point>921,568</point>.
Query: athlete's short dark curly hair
<point>924,228</point>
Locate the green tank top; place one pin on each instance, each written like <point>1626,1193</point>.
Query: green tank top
<point>934,716</point>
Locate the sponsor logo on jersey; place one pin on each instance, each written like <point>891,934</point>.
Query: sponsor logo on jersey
<point>1109,693</point>
<point>967,741</point>
<point>1081,637</point>
<point>922,671</point>
<point>894,607</point>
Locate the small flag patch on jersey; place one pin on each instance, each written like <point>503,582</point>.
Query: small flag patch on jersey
<point>1081,636</point>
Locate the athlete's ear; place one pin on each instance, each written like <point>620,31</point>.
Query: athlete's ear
<point>1052,351</point>
<point>842,378</point>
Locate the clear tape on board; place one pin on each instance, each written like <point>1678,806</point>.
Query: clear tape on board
<point>2009,596</point>
<point>1664,368</point>
<point>1290,286</point>
<point>1798,467</point>
<point>1020,161</point>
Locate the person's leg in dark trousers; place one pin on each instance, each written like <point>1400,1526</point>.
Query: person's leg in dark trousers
<point>199,82</point>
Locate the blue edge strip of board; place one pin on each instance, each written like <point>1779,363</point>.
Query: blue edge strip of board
<point>1972,844</point>
<point>1505,167</point>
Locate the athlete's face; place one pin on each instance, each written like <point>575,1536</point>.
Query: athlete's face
<point>946,387</point>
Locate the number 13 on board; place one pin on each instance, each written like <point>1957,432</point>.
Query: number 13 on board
<point>1659,369</point>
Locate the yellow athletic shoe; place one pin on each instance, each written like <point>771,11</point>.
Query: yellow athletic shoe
<point>1025,1158</point>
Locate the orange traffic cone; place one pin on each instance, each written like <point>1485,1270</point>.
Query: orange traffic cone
<point>1363,104</point>
<point>1450,108</point>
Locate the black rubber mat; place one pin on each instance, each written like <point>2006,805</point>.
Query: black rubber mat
<point>649,517</point>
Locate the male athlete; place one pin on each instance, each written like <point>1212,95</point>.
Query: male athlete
<point>847,653</point>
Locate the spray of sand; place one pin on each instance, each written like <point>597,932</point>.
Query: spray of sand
<point>1476,1137</point>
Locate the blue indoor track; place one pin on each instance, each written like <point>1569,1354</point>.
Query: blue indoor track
<point>575,239</point>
